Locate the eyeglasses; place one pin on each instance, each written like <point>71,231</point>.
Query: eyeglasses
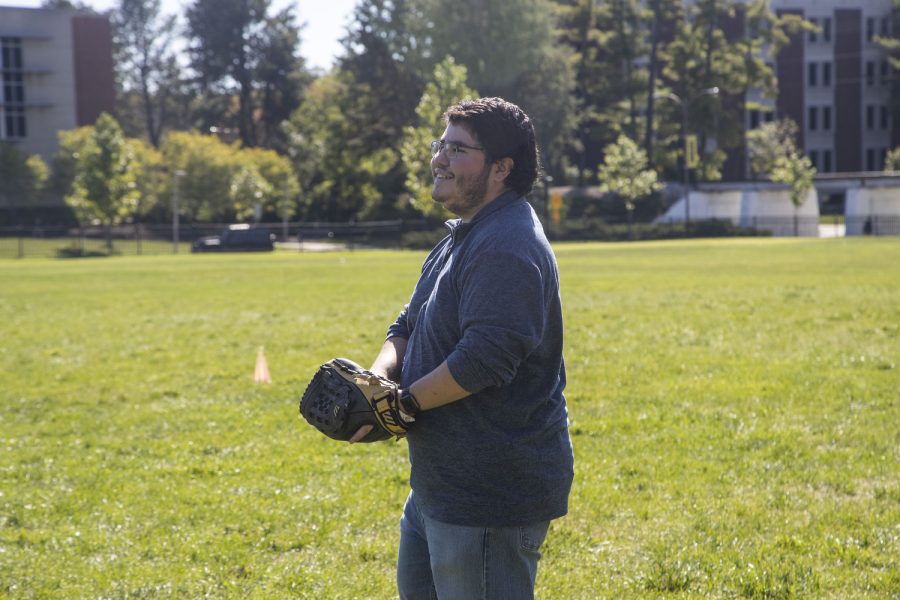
<point>451,149</point>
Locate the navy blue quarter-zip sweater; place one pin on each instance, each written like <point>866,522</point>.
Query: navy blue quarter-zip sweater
<point>488,303</point>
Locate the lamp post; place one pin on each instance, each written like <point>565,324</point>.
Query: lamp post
<point>685,107</point>
<point>176,176</point>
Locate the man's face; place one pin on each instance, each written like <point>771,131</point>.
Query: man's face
<point>461,182</point>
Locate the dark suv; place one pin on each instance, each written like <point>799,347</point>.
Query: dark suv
<point>237,238</point>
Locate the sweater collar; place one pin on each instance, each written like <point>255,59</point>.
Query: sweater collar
<point>459,230</point>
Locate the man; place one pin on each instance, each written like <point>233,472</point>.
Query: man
<point>478,356</point>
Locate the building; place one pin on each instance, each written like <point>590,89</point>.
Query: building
<point>836,85</point>
<point>56,73</point>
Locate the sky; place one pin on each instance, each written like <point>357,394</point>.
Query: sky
<point>325,22</point>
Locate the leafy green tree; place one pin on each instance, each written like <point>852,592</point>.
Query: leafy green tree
<point>104,188</point>
<point>508,48</point>
<point>701,56</point>
<point>892,160</point>
<point>22,177</point>
<point>208,165</point>
<point>774,153</point>
<point>281,189</point>
<point>343,176</point>
<point>624,172</point>
<point>147,69</point>
<point>447,86</point>
<point>769,142</point>
<point>796,171</point>
<point>248,192</point>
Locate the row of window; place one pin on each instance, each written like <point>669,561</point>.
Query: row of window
<point>874,26</point>
<point>819,73</point>
<point>821,159</point>
<point>884,71</point>
<point>875,158</point>
<point>813,122</point>
<point>814,69</point>
<point>12,89</point>
<point>884,116</point>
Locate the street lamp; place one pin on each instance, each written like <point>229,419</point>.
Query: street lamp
<point>177,175</point>
<point>685,107</point>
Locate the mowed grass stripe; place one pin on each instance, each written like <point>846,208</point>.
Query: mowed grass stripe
<point>733,405</point>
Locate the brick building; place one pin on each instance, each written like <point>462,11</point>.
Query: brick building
<point>56,73</point>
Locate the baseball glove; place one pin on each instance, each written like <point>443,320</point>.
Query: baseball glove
<point>342,397</point>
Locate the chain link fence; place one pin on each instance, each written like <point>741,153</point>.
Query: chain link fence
<point>144,239</point>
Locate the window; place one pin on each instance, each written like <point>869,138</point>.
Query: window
<point>769,116</point>
<point>826,74</point>
<point>814,158</point>
<point>870,29</point>
<point>826,29</point>
<point>812,72</point>
<point>754,119</point>
<point>885,116</point>
<point>885,27</point>
<point>870,73</point>
<point>813,118</point>
<point>870,159</point>
<point>812,34</point>
<point>885,78</point>
<point>826,161</point>
<point>12,89</point>
<point>826,118</point>
<point>870,116</point>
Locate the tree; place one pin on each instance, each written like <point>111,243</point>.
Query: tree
<point>768,142</point>
<point>796,171</point>
<point>22,177</point>
<point>281,190</point>
<point>239,52</point>
<point>624,172</point>
<point>774,153</point>
<point>208,166</point>
<point>104,187</point>
<point>447,87</point>
<point>146,63</point>
<point>508,49</point>
<point>892,160</point>
<point>338,172</point>
<point>282,77</point>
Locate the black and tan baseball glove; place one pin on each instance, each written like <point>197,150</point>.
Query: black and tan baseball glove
<point>343,397</point>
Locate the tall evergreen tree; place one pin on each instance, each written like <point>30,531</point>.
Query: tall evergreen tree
<point>236,49</point>
<point>148,72</point>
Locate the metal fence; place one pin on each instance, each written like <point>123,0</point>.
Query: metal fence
<point>144,239</point>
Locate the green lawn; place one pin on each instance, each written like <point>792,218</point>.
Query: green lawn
<point>734,410</point>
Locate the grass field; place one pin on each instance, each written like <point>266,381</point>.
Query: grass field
<point>733,404</point>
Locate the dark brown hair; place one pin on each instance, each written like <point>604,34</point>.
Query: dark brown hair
<point>504,131</point>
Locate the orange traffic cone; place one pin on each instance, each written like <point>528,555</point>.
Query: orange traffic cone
<point>261,375</point>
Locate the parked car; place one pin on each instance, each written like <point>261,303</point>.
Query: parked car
<point>237,238</point>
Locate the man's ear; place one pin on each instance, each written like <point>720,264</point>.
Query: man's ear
<point>502,168</point>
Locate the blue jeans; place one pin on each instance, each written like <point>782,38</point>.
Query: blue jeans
<point>449,562</point>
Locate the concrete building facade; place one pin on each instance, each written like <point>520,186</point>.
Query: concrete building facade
<point>836,85</point>
<point>56,73</point>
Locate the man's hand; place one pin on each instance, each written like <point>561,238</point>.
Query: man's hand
<point>346,402</point>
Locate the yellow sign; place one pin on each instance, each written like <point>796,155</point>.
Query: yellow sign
<point>556,208</point>
<point>691,155</point>
<point>556,201</point>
